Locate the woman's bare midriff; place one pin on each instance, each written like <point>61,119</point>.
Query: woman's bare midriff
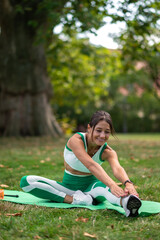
<point>73,171</point>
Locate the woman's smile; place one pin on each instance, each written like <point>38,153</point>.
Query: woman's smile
<point>101,140</point>
<point>100,134</point>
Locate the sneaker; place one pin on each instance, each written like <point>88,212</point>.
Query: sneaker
<point>79,198</point>
<point>131,204</point>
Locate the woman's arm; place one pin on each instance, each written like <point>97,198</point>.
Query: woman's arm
<point>93,167</point>
<point>118,170</point>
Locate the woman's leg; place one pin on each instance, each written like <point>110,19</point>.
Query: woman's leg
<point>100,192</point>
<point>45,188</point>
<point>49,189</point>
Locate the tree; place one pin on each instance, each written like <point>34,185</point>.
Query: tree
<point>139,41</point>
<point>140,46</point>
<point>84,71</point>
<point>134,108</point>
<point>26,27</point>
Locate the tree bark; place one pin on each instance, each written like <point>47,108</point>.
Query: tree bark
<point>25,88</point>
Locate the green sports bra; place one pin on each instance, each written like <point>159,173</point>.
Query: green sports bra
<point>75,163</point>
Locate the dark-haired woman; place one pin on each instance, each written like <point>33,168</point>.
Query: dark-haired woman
<point>85,181</point>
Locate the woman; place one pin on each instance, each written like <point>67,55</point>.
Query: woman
<point>85,181</point>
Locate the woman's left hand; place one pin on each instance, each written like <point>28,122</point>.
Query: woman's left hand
<point>130,189</point>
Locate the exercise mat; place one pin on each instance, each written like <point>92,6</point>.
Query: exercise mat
<point>147,208</point>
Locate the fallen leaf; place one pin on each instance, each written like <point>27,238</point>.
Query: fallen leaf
<point>42,161</point>
<point>37,237</point>
<point>82,219</point>
<point>89,235</point>
<point>112,226</point>
<point>36,166</point>
<point>2,166</point>
<point>21,166</point>
<point>14,214</point>
<point>136,160</point>
<point>4,186</point>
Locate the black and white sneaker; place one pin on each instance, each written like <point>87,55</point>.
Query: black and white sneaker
<point>131,205</point>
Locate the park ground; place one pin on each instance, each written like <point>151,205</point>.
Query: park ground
<point>138,154</point>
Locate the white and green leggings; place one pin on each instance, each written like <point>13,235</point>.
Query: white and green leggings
<point>56,191</point>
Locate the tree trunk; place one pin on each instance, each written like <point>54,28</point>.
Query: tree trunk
<point>25,88</point>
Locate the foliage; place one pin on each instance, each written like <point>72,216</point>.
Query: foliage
<point>80,74</point>
<point>87,78</point>
<point>118,69</point>
<point>26,28</point>
<point>138,154</point>
<point>42,16</point>
<point>142,22</point>
<point>134,108</point>
<point>140,39</point>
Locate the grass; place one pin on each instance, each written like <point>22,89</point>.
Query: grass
<point>140,156</point>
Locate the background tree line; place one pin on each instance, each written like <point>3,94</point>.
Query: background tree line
<point>84,78</point>
<point>87,78</point>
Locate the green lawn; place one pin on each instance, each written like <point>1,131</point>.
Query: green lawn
<point>140,156</point>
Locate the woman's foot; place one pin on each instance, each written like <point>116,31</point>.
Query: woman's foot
<point>131,204</point>
<point>79,198</point>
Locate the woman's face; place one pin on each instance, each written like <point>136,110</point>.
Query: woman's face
<point>101,133</point>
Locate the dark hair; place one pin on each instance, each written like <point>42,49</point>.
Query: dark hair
<point>101,116</point>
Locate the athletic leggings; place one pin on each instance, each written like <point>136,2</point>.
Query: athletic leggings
<point>56,191</point>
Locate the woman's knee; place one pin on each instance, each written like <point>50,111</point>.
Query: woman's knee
<point>23,182</point>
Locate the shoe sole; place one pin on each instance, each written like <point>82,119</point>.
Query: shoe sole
<point>133,205</point>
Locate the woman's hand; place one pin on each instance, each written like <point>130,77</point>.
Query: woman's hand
<point>118,191</point>
<point>130,189</point>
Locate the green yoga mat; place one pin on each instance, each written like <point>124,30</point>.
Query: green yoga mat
<point>147,208</point>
